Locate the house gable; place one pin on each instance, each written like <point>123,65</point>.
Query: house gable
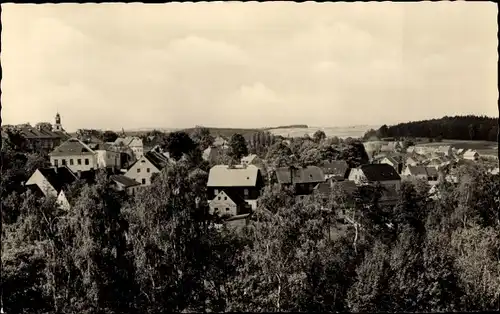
<point>139,171</point>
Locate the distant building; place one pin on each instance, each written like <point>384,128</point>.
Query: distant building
<point>212,154</point>
<point>41,139</point>
<point>304,180</point>
<point>392,161</point>
<point>241,180</point>
<point>446,150</point>
<point>221,142</point>
<point>471,155</point>
<point>79,156</point>
<point>382,174</point>
<point>135,144</point>
<point>337,170</point>
<point>429,174</point>
<point>144,168</point>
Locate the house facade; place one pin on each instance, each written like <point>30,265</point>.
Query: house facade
<point>337,170</point>
<point>125,184</point>
<point>144,168</point>
<point>382,174</point>
<point>239,180</point>
<point>75,155</point>
<point>227,204</point>
<point>429,174</point>
<point>471,155</point>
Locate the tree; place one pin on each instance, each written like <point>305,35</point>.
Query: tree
<point>238,146</point>
<point>383,131</point>
<point>179,143</point>
<point>44,126</point>
<point>109,136</point>
<point>319,136</point>
<point>355,154</point>
<point>203,138</point>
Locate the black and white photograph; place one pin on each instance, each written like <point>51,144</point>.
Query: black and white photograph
<point>249,157</point>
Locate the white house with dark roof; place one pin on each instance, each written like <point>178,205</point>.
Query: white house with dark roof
<point>52,182</point>
<point>144,168</point>
<point>337,170</point>
<point>78,156</point>
<point>382,174</point>
<point>242,180</point>
<point>304,179</point>
<point>429,174</point>
<point>230,204</point>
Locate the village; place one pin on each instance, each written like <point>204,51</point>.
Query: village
<point>233,190</point>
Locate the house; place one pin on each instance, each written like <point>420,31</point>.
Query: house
<point>471,155</point>
<point>392,161</point>
<point>52,182</point>
<point>229,203</point>
<point>255,160</point>
<point>123,183</point>
<point>135,144</point>
<point>144,168</point>
<point>303,179</point>
<point>413,160</point>
<point>337,170</point>
<point>382,174</point>
<point>410,150</point>
<point>429,174</point>
<point>212,154</point>
<point>242,180</point>
<point>78,156</point>
<point>446,150</point>
<point>494,171</point>
<point>221,142</point>
<point>41,139</point>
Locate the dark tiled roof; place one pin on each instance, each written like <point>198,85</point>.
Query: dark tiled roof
<point>379,172</point>
<point>72,147</point>
<point>158,160</point>
<point>337,168</point>
<point>59,177</point>
<point>348,187</point>
<point>125,181</point>
<point>417,170</point>
<point>34,133</point>
<point>236,198</point>
<point>310,174</point>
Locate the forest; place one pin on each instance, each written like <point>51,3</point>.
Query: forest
<point>475,128</point>
<point>160,251</point>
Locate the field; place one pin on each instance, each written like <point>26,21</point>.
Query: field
<point>341,132</point>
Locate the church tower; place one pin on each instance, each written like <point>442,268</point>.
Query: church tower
<point>58,126</point>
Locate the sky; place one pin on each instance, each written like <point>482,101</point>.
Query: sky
<point>230,64</point>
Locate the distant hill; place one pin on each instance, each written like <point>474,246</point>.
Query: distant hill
<point>293,126</point>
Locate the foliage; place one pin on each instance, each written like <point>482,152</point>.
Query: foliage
<point>238,146</point>
<point>202,137</point>
<point>109,136</point>
<point>179,143</point>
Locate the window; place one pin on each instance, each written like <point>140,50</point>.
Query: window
<point>87,161</point>
<point>148,170</point>
<point>63,161</point>
<point>71,162</point>
<point>225,198</point>
<point>218,198</point>
<point>138,170</point>
<point>227,209</point>
<point>56,162</point>
<point>79,161</point>
<point>143,181</point>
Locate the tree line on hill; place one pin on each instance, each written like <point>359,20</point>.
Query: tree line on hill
<point>470,127</point>
<point>160,251</point>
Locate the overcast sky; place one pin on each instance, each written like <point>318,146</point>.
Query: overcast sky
<point>174,65</point>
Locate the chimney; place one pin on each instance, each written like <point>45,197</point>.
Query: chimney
<point>79,174</point>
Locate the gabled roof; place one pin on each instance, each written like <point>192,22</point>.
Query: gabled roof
<point>225,176</point>
<point>235,197</point>
<point>326,188</point>
<point>73,146</point>
<point>391,159</point>
<point>58,178</point>
<point>248,159</point>
<point>417,170</point>
<point>158,160</point>
<point>129,141</point>
<point>125,181</point>
<point>34,133</point>
<point>337,168</point>
<point>470,152</point>
<point>379,172</point>
<point>309,174</point>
